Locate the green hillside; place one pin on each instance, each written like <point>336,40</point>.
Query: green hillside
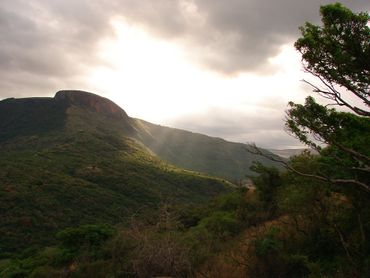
<point>67,161</point>
<point>198,152</point>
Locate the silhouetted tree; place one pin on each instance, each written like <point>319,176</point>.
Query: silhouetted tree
<point>337,53</point>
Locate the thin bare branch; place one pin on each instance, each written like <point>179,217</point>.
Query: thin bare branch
<point>334,95</point>
<point>329,85</point>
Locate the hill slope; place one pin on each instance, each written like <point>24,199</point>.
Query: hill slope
<point>188,150</point>
<point>198,152</point>
<point>69,160</point>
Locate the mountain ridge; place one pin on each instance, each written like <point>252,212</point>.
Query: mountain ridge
<point>65,165</point>
<point>185,149</point>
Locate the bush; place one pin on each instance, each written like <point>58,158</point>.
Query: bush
<point>85,236</point>
<point>222,224</point>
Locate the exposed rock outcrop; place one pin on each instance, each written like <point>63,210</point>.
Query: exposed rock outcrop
<point>91,101</point>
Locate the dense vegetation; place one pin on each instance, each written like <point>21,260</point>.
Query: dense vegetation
<point>176,241</point>
<point>81,170</point>
<point>310,220</point>
<point>288,226</point>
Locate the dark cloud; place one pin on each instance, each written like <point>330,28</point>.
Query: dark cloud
<point>230,36</point>
<point>47,44</point>
<point>53,42</point>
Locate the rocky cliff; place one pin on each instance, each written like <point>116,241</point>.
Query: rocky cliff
<point>91,101</point>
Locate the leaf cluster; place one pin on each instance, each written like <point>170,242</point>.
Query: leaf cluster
<point>338,51</point>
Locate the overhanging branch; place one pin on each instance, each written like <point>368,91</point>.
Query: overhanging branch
<point>335,96</point>
<point>255,150</point>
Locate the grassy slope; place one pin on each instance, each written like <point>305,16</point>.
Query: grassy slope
<point>199,152</point>
<point>75,167</point>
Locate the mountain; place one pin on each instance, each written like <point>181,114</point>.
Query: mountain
<point>72,160</point>
<point>198,152</point>
<point>78,158</point>
<point>188,150</point>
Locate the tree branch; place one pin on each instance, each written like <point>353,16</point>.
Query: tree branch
<point>364,158</point>
<point>348,87</point>
<point>334,95</point>
<point>255,150</point>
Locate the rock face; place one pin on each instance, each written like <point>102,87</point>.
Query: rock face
<point>91,101</point>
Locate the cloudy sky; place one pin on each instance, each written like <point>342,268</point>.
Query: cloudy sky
<point>225,68</point>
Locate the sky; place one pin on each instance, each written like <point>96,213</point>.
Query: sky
<point>221,68</point>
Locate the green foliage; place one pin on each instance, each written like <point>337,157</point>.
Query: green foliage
<point>328,223</point>
<point>27,117</point>
<point>84,242</point>
<point>269,243</point>
<point>267,184</point>
<point>313,120</point>
<point>44,272</point>
<point>328,210</point>
<point>164,246</point>
<point>337,53</point>
<point>221,224</point>
<point>346,155</point>
<point>84,171</point>
<point>339,50</point>
<point>89,237</point>
<point>232,201</point>
<point>161,248</point>
<point>30,265</point>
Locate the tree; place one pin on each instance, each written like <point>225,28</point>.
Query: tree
<point>267,183</point>
<point>324,194</point>
<point>337,53</point>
